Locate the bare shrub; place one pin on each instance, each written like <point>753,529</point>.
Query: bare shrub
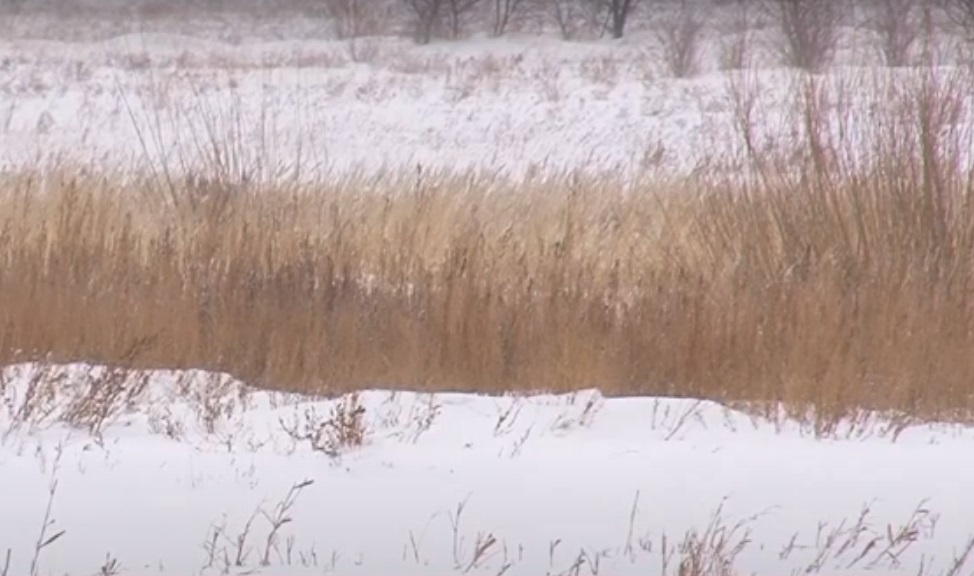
<point>355,19</point>
<point>856,543</point>
<point>810,30</point>
<point>735,46</point>
<point>713,551</point>
<point>503,12</point>
<point>602,69</point>
<point>617,14</point>
<point>936,48</point>
<point>743,93</point>
<point>576,17</point>
<point>457,10</point>
<point>279,517</point>
<point>227,551</point>
<point>679,34</point>
<point>899,26</point>
<point>419,420</point>
<point>102,396</point>
<point>961,13</point>
<point>426,14</point>
<point>342,430</point>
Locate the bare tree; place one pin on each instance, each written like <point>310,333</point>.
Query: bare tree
<point>354,18</point>
<point>427,13</point>
<point>961,13</point>
<point>457,9</point>
<point>679,34</point>
<point>899,26</point>
<point>343,15</point>
<point>810,29</point>
<point>736,34</point>
<point>574,15</point>
<point>618,14</point>
<point>504,10</point>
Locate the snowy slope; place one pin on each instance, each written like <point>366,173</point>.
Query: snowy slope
<point>549,477</point>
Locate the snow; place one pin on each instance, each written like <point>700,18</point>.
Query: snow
<point>510,104</point>
<point>192,454</point>
<point>153,484</point>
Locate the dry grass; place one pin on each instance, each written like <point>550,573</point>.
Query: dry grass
<point>265,539</point>
<point>827,280</point>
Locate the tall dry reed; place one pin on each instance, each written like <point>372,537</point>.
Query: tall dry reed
<point>838,277</point>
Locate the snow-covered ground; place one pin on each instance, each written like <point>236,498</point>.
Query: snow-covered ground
<point>190,474</point>
<point>169,483</point>
<point>504,104</point>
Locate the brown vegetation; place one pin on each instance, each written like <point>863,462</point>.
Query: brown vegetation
<point>824,279</point>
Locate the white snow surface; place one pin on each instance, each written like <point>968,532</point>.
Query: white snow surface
<point>551,478</point>
<point>516,103</point>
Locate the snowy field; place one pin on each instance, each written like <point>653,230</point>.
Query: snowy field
<point>193,473</point>
<point>126,93</point>
<point>190,473</point>
<point>503,104</point>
